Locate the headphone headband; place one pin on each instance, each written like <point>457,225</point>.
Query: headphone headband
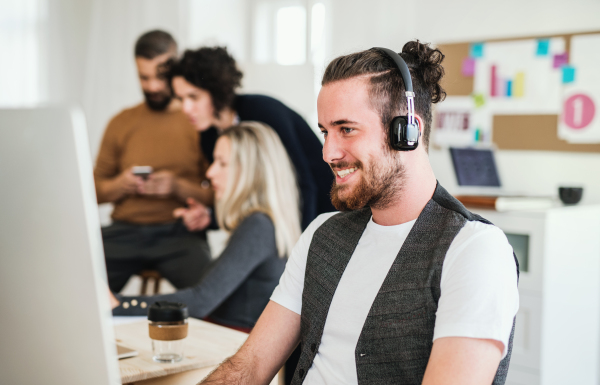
<point>401,64</point>
<point>405,130</point>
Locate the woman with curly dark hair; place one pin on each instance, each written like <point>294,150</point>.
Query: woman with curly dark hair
<point>205,80</point>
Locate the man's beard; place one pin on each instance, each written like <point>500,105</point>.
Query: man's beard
<point>378,186</point>
<point>157,104</point>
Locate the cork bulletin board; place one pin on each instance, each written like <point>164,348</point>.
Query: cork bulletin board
<point>552,105</point>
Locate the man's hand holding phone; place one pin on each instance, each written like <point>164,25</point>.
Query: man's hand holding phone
<point>160,183</point>
<point>142,171</point>
<point>127,183</point>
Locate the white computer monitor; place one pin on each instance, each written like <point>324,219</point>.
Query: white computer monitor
<point>55,325</point>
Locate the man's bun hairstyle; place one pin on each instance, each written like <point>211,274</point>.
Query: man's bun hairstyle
<point>425,64</point>
<point>213,69</point>
<point>386,86</point>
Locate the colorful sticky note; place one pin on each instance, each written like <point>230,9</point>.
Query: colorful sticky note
<point>494,81</point>
<point>479,100</point>
<point>543,47</point>
<point>477,50</point>
<point>519,85</point>
<point>560,60</point>
<point>509,85</point>
<point>468,67</point>
<point>568,74</point>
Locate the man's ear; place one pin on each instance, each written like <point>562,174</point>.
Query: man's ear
<point>421,124</point>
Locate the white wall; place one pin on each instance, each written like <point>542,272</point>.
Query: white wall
<point>65,50</point>
<point>535,172</point>
<point>292,85</point>
<point>223,22</point>
<point>466,20</point>
<point>358,25</point>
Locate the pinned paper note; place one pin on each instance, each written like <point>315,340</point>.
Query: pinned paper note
<point>538,88</point>
<point>568,74</point>
<point>453,120</point>
<point>468,67</point>
<point>543,47</point>
<point>560,60</point>
<point>477,50</point>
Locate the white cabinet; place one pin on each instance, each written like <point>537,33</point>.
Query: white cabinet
<point>557,334</point>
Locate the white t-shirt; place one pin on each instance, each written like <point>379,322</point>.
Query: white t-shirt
<point>479,296</point>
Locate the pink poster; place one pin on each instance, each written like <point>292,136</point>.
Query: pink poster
<point>579,111</point>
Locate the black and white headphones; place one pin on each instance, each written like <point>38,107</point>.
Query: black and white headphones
<point>404,130</point>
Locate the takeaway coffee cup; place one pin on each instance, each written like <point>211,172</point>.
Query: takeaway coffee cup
<point>168,327</point>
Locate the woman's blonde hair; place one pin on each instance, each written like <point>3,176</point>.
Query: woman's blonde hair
<point>261,179</point>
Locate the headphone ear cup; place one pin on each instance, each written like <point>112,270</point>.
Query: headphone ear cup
<point>397,129</point>
<point>404,136</point>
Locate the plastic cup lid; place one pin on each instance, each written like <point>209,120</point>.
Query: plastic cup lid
<point>163,311</point>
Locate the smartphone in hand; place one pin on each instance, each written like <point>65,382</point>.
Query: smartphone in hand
<point>142,171</point>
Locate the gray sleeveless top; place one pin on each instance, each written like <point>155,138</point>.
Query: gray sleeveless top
<point>396,340</point>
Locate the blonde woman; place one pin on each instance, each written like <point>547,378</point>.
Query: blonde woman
<point>257,202</point>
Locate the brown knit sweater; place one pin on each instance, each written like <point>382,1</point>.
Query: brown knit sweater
<point>139,136</point>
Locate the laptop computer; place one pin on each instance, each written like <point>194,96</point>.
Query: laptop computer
<point>476,171</point>
<point>479,183</point>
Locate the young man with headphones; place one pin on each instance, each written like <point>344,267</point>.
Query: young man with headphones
<point>404,285</point>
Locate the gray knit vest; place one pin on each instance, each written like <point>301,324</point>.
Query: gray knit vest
<point>397,337</point>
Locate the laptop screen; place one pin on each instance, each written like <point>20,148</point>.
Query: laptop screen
<point>475,167</point>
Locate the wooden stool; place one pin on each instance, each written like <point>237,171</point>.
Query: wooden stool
<point>150,274</point>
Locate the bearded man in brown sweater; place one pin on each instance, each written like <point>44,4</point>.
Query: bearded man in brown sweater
<point>155,133</point>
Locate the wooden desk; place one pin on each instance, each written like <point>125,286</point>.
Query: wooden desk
<point>206,346</point>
